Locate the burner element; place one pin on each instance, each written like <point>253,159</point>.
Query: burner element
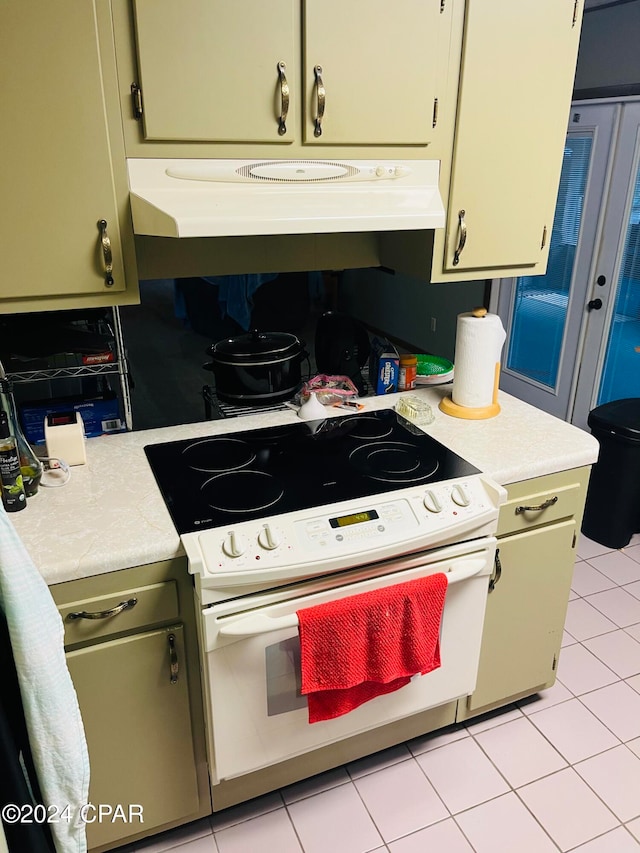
<point>242,491</point>
<point>368,427</point>
<point>393,462</point>
<point>218,454</point>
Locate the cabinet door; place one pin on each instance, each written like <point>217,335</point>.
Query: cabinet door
<point>378,64</point>
<point>56,174</point>
<point>515,91</point>
<point>138,729</point>
<point>209,68</point>
<point>525,614</point>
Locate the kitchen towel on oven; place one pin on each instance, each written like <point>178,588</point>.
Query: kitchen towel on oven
<point>366,645</point>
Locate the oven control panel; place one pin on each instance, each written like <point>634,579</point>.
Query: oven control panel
<point>346,535</point>
<point>356,529</point>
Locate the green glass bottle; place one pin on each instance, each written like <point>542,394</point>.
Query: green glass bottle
<point>11,486</point>
<point>30,465</point>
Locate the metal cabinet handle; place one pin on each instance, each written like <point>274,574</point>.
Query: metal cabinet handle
<point>549,502</point>
<point>284,99</point>
<point>462,227</point>
<point>173,659</point>
<point>106,253</point>
<point>493,582</point>
<point>321,97</point>
<point>103,614</point>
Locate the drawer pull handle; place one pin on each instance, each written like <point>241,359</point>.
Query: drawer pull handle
<point>549,502</point>
<point>493,582</point>
<point>284,99</point>
<point>103,614</point>
<point>173,659</point>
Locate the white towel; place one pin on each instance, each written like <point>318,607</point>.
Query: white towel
<point>56,732</point>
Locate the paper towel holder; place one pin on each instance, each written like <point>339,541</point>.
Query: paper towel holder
<point>480,412</point>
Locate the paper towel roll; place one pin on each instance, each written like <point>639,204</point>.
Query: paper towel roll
<point>479,342</point>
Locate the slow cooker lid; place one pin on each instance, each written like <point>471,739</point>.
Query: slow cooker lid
<point>258,344</point>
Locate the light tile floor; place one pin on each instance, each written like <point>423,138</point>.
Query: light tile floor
<point>559,771</point>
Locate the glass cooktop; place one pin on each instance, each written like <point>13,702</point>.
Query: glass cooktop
<point>214,481</point>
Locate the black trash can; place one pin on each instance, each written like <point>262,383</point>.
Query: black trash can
<point>612,511</point>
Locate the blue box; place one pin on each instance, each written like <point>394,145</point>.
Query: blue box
<point>384,366</point>
<point>99,416</point>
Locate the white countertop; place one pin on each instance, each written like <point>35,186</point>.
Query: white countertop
<point>111,516</point>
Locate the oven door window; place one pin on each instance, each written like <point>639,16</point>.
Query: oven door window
<point>257,714</point>
<point>282,675</point>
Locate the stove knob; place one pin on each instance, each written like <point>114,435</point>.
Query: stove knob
<point>234,545</point>
<point>431,502</point>
<point>459,495</point>
<point>268,538</point>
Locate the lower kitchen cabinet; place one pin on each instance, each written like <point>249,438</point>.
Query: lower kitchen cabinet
<point>529,590</point>
<point>138,729</point>
<point>525,615</point>
<point>135,670</point>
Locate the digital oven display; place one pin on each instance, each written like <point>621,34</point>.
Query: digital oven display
<point>354,518</point>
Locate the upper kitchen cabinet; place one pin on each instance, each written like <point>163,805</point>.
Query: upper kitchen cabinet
<point>298,72</point>
<point>370,71</point>
<point>62,170</point>
<point>517,70</point>
<point>211,70</point>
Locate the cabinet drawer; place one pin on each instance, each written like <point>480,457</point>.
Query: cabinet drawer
<point>125,610</point>
<point>543,500</point>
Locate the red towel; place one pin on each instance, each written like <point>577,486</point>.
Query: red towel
<point>366,645</point>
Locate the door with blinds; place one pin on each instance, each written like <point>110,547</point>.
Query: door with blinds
<point>571,331</point>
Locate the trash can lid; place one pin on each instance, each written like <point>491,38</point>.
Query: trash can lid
<point>621,417</point>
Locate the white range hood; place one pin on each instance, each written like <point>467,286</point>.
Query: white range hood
<point>233,198</point>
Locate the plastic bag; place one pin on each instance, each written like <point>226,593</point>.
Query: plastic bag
<point>328,389</point>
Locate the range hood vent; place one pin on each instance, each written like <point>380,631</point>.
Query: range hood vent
<point>235,198</point>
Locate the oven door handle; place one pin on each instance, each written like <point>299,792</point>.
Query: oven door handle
<point>259,623</point>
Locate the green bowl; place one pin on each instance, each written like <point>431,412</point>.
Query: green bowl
<point>433,365</point>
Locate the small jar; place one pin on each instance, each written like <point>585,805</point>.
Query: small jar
<point>407,372</point>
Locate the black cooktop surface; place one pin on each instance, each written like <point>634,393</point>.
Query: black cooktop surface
<point>217,480</point>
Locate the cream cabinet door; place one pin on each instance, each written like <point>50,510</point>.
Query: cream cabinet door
<point>515,91</point>
<point>138,729</point>
<point>209,69</point>
<point>377,74</point>
<point>525,614</point>
<point>57,178</point>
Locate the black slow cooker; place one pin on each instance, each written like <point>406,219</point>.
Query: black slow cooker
<point>258,367</point>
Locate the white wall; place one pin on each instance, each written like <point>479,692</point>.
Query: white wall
<point>403,307</point>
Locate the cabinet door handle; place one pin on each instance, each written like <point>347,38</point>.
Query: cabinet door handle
<point>173,659</point>
<point>544,505</point>
<point>495,577</point>
<point>284,99</point>
<point>103,614</point>
<point>321,97</point>
<point>106,253</point>
<point>462,239</point>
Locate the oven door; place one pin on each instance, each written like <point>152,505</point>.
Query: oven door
<point>257,716</point>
